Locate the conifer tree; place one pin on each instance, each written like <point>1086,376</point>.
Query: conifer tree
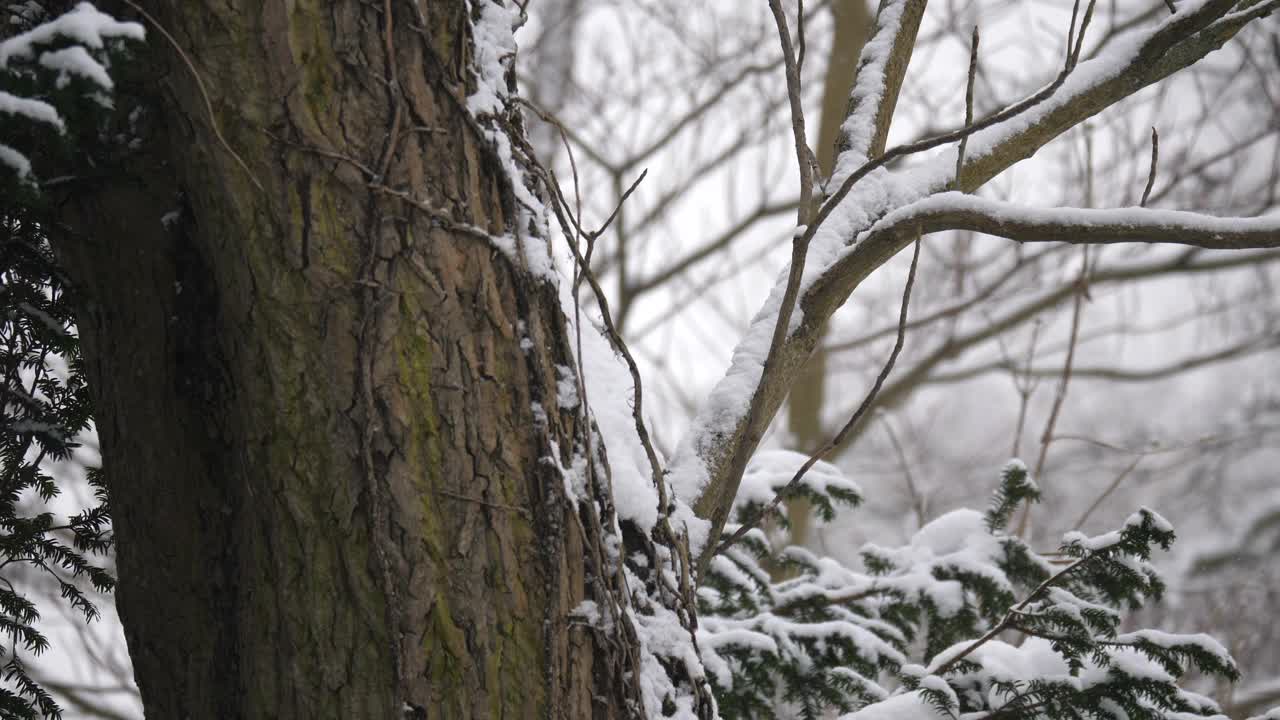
<point>965,619</point>
<point>51,70</point>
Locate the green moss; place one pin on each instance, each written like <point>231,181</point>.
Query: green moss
<point>314,55</point>
<point>327,238</point>
<point>446,649</point>
<point>515,658</point>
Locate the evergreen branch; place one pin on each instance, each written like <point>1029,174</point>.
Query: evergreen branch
<point>1007,621</point>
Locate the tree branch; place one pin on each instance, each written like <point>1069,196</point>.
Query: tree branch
<point>1080,226</point>
<point>707,467</point>
<point>804,156</point>
<point>878,82</point>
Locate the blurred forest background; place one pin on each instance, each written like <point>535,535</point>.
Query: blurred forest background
<point>1123,375</point>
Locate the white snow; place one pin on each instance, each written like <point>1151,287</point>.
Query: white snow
<point>711,641</point>
<point>1173,640</point>
<point>1113,708</point>
<point>1087,217</point>
<point>587,611</point>
<point>868,90</point>
<point>1096,543</point>
<point>37,110</point>
<point>1131,663</point>
<point>938,685</point>
<point>566,387</point>
<point>75,60</point>
<point>495,48</point>
<point>770,470</point>
<point>661,635</point>
<point>16,160</point>
<point>493,33</point>
<point>907,706</point>
<point>1004,662</point>
<point>1158,521</point>
<point>1016,464</point>
<point>83,24</point>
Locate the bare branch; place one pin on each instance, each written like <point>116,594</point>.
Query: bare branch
<point>968,98</point>
<point>1151,175</point>
<point>1060,397</point>
<point>1234,351</point>
<point>711,247</point>
<point>1106,493</point>
<point>804,156</point>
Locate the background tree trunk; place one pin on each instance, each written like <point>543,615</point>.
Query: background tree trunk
<point>332,496</point>
<point>808,394</point>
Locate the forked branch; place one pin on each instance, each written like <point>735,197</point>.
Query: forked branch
<point>709,465</point>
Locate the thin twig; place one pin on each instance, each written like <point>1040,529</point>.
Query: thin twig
<point>1046,438</point>
<point>609,221</point>
<point>800,36</point>
<point>804,156</point>
<point>1151,175</point>
<point>549,118</point>
<point>1025,387</point>
<point>968,101</point>
<point>1084,25</point>
<point>1071,33</point>
<point>567,225</point>
<point>917,502</point>
<point>388,29</point>
<point>486,503</point>
<point>1107,493</point>
<point>839,437</point>
<point>435,213</point>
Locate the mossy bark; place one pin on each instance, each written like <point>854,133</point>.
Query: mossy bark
<point>332,497</point>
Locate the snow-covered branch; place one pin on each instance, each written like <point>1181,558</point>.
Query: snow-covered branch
<point>957,211</point>
<point>881,69</point>
<point>843,252</point>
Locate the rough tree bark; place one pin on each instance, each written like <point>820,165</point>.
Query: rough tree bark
<point>332,496</point>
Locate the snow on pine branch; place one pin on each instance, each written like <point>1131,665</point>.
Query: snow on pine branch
<point>916,631</point>
<point>45,49</point>
<point>770,471</point>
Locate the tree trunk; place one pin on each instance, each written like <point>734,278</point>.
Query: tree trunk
<point>333,497</point>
